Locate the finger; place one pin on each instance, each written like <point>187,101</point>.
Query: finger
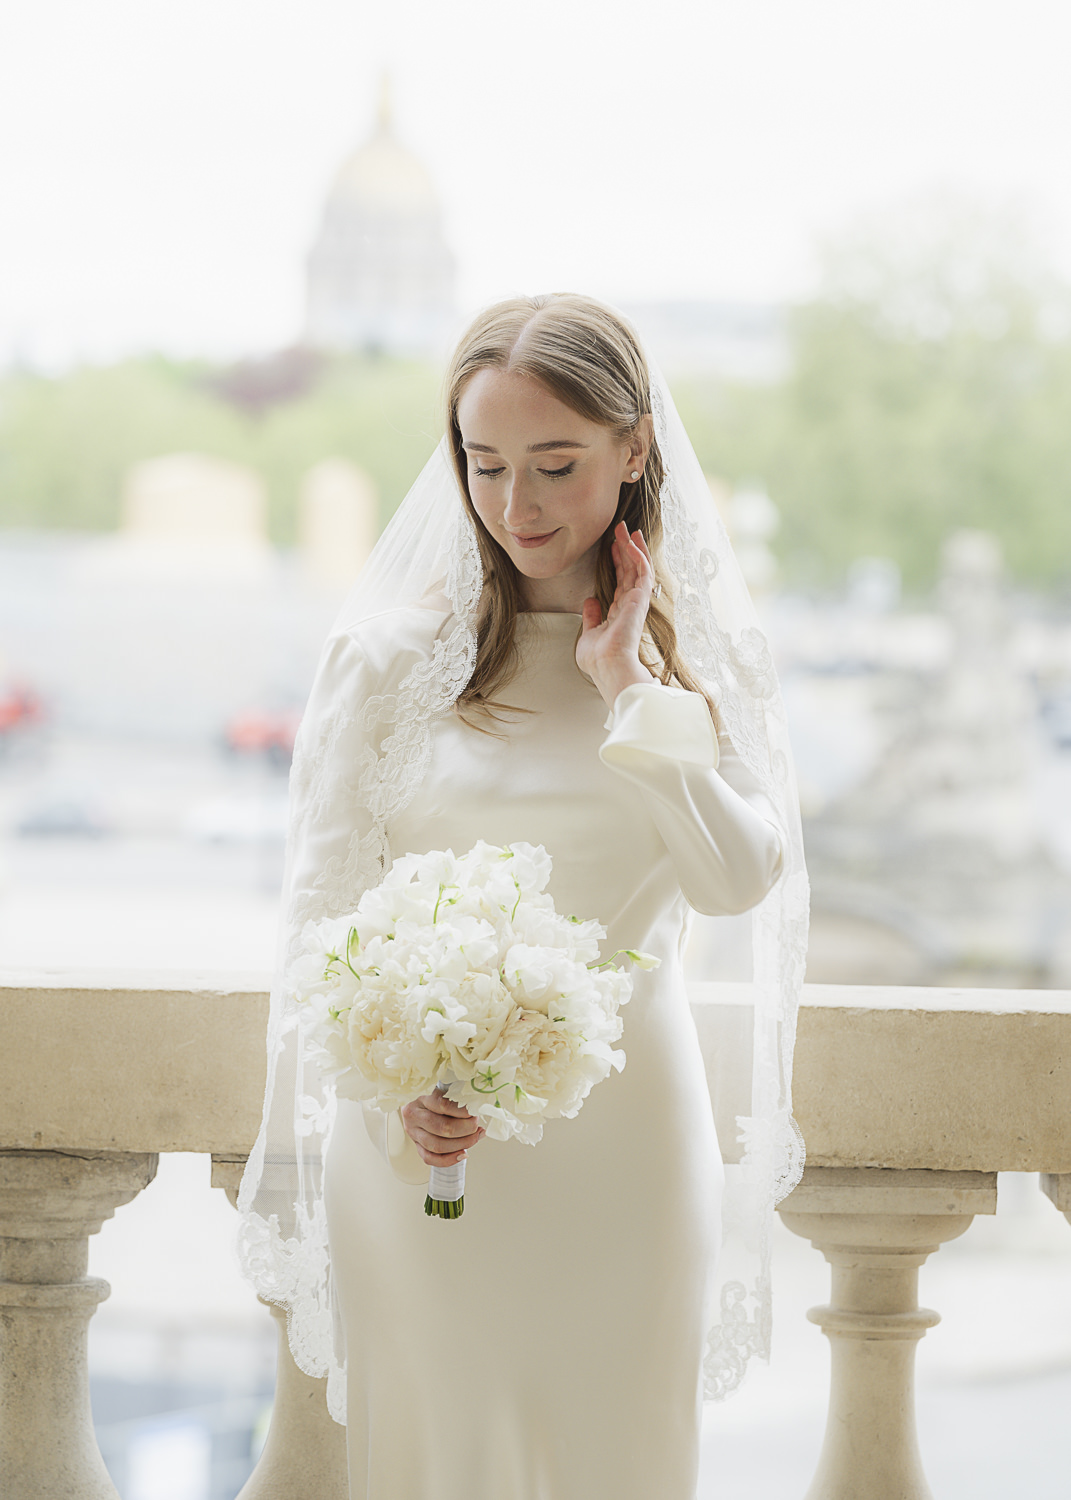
<point>644,564</point>
<point>418,1117</point>
<point>449,1127</point>
<point>442,1105</point>
<point>621,554</point>
<point>630,572</point>
<point>616,546</point>
<point>431,1159</point>
<point>440,1145</point>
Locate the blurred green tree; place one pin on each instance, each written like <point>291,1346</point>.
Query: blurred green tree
<point>66,442</point>
<point>929,388</point>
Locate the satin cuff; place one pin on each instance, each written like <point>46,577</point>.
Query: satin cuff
<point>390,1140</point>
<point>655,720</point>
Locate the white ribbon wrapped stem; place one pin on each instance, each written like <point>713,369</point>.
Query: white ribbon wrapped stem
<point>447,1184</point>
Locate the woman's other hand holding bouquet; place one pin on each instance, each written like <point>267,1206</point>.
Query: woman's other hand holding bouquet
<point>441,1130</point>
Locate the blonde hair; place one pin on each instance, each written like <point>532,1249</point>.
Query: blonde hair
<point>591,360</point>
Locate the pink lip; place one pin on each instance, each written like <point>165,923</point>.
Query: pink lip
<point>534,541</point>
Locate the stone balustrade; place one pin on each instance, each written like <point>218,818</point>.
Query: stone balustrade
<point>911,1101</point>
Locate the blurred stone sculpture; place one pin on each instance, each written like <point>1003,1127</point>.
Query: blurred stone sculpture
<point>934,867</point>
<point>187,517</point>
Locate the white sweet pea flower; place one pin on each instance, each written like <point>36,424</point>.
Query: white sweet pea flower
<point>499,894</point>
<point>487,1005</point>
<point>377,914</point>
<point>447,1020</point>
<point>309,975</point>
<point>332,936</point>
<point>530,972</point>
<point>545,979</point>
<point>479,862</point>
<point>610,989</point>
<point>531,867</point>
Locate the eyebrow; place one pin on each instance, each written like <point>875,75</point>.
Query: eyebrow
<point>550,447</point>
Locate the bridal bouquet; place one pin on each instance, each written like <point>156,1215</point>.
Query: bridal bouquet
<point>456,972</point>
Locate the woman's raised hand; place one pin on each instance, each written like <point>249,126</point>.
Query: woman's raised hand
<point>608,651</point>
<point>441,1130</point>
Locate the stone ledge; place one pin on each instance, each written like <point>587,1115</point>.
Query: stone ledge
<point>132,1062</point>
<point>974,1081</point>
<point>956,1080</point>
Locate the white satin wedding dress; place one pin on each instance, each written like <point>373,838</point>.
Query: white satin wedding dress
<point>548,1344</point>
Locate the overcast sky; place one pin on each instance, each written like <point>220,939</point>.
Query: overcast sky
<point>163,162</point>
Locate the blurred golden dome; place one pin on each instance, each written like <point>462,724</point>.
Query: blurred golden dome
<point>382,174</point>
<point>380,274</point>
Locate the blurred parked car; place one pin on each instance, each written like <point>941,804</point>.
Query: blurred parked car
<point>1056,714</point>
<point>20,707</point>
<point>264,732</point>
<point>62,817</point>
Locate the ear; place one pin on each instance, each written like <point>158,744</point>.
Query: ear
<point>639,445</point>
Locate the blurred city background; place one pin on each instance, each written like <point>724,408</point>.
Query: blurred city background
<point>238,241</point>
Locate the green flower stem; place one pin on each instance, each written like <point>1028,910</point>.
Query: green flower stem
<point>451,902</point>
<point>438,1209</point>
<point>609,963</point>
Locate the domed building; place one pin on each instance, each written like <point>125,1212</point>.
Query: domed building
<point>380,274</point>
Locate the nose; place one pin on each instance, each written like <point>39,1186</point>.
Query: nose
<point>521,507</point>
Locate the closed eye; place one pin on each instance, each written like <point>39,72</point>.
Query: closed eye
<point>548,473</point>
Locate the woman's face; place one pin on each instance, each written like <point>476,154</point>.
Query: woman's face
<point>543,479</point>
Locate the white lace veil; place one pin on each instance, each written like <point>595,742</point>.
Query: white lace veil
<point>428,552</point>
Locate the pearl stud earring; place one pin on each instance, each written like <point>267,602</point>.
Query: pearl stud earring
<point>634,474</point>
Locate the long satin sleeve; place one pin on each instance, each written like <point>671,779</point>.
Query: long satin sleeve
<point>721,829</point>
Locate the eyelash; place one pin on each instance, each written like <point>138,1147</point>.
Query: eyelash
<point>549,473</point>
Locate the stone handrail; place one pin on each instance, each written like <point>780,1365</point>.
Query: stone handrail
<point>911,1101</point>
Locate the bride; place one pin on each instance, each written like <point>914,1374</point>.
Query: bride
<point>550,644</point>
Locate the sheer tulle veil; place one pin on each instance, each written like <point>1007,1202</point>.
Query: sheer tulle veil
<point>428,558</point>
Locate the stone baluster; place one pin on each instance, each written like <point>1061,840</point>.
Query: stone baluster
<point>50,1203</point>
<point>1057,1186</point>
<point>304,1455</point>
<point>876,1228</point>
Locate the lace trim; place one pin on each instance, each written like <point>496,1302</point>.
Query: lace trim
<point>740,1336</point>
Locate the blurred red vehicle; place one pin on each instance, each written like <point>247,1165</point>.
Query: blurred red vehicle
<point>259,731</point>
<point>19,707</point>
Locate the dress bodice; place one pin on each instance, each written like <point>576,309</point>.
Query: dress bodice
<point>537,778</point>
